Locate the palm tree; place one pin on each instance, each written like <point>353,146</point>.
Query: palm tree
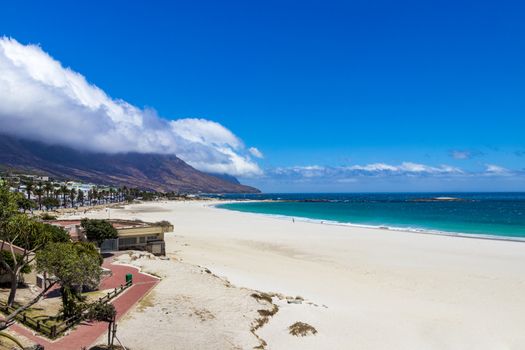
<point>124,192</point>
<point>56,190</point>
<point>29,187</point>
<point>80,196</point>
<point>94,193</point>
<point>112,194</point>
<point>72,196</point>
<point>48,187</point>
<point>64,191</point>
<point>10,182</point>
<point>39,192</point>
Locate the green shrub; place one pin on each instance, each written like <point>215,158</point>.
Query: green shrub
<point>47,217</point>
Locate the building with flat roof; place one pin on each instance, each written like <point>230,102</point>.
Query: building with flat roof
<point>132,235</point>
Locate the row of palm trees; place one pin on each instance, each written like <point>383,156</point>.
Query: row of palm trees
<point>53,195</point>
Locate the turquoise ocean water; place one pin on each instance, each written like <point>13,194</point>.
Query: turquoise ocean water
<point>501,215</point>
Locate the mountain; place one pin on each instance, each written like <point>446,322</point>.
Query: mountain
<point>226,177</point>
<point>157,172</point>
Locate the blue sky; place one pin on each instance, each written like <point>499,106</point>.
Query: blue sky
<point>326,84</point>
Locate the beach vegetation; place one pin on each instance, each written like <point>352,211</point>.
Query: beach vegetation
<point>21,237</point>
<point>98,230</point>
<point>8,258</point>
<point>75,266</point>
<point>262,296</point>
<point>24,203</point>
<point>39,192</point>
<point>80,196</point>
<point>47,217</point>
<point>104,312</point>
<point>301,329</point>
<point>50,202</point>
<point>28,183</point>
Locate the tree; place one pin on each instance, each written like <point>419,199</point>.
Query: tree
<point>74,265</point>
<point>72,196</point>
<point>56,193</point>
<point>103,312</point>
<point>123,193</point>
<point>55,234</point>
<point>8,258</point>
<point>48,187</point>
<point>8,320</point>
<point>14,228</point>
<point>50,202</point>
<point>94,193</point>
<point>18,230</point>
<point>8,206</point>
<point>56,190</point>
<point>22,237</point>
<point>80,197</point>
<point>24,203</point>
<point>39,192</point>
<point>29,187</point>
<point>64,191</point>
<point>98,230</point>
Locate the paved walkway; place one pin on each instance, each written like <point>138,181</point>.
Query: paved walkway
<point>85,334</point>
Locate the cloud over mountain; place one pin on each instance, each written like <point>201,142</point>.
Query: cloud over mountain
<point>42,100</point>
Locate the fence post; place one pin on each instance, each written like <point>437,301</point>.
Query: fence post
<point>38,325</point>
<point>53,331</point>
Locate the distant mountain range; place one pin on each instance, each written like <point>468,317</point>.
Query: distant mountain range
<point>157,172</point>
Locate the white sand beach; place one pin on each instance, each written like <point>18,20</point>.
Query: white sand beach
<point>362,288</point>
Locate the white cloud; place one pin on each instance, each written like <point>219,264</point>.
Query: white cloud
<point>42,100</point>
<point>374,167</point>
<point>466,154</point>
<point>496,169</point>
<point>309,171</point>
<point>405,167</point>
<point>406,176</point>
<point>460,154</point>
<point>349,174</point>
<point>255,152</point>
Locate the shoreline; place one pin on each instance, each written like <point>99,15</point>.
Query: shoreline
<point>415,290</point>
<point>365,226</point>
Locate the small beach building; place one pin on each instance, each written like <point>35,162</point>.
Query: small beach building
<point>132,235</point>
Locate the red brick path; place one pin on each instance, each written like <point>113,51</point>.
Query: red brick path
<point>85,334</point>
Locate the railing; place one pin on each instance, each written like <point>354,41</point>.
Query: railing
<point>39,325</point>
<point>54,330</point>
